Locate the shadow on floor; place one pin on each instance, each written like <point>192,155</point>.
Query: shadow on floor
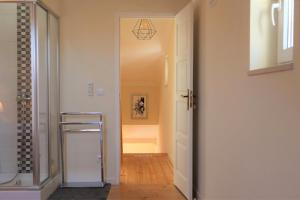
<point>81,193</point>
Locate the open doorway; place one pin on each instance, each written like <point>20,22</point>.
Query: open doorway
<point>147,100</point>
<point>165,64</point>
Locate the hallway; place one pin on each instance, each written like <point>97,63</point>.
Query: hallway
<point>146,176</point>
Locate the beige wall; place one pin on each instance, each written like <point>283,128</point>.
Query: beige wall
<point>248,145</point>
<point>87,54</point>
<point>54,5</point>
<point>166,116</point>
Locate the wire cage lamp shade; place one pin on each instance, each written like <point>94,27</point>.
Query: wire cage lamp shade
<point>144,29</point>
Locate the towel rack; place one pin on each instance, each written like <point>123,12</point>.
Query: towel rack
<point>75,129</point>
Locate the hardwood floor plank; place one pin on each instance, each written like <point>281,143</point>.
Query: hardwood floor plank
<point>146,176</point>
<point>141,192</point>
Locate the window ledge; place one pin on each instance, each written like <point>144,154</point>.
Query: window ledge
<point>278,68</point>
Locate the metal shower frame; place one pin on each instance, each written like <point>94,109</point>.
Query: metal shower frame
<point>37,184</point>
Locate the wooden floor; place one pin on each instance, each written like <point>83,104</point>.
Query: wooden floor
<point>148,169</point>
<point>146,176</point>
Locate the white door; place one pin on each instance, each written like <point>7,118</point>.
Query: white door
<point>183,164</point>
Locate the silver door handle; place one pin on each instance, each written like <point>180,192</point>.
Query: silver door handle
<point>21,98</point>
<point>188,99</point>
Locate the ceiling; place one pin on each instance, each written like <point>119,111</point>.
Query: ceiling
<point>142,60</point>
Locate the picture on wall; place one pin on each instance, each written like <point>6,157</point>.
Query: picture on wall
<point>139,106</point>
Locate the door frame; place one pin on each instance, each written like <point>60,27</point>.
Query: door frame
<point>117,66</point>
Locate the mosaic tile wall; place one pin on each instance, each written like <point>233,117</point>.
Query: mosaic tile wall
<point>24,89</point>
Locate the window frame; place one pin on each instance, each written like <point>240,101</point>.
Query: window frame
<point>285,57</point>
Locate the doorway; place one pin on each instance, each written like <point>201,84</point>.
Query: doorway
<point>147,82</point>
<point>180,101</point>
<point>147,96</point>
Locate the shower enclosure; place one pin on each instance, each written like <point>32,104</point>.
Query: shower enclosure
<point>29,95</point>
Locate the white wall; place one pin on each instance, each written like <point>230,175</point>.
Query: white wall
<point>248,145</point>
<point>167,96</point>
<point>87,54</point>
<point>140,138</point>
<point>8,88</point>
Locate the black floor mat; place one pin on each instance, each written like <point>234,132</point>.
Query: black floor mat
<point>81,193</point>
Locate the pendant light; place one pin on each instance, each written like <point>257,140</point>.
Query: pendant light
<point>144,29</point>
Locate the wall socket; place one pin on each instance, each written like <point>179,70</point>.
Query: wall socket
<point>100,92</point>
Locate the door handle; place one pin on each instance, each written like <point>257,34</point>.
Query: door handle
<point>188,99</point>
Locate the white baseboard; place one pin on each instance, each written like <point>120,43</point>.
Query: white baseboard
<point>112,180</point>
<point>201,197</point>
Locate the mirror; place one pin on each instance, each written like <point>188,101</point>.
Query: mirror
<point>271,33</point>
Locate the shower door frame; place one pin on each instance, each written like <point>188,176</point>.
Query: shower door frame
<point>37,184</point>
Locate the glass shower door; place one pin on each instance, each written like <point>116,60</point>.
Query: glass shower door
<point>29,94</point>
<point>8,92</point>
<point>54,92</point>
<point>43,91</point>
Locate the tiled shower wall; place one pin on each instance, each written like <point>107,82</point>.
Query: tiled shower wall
<point>24,89</point>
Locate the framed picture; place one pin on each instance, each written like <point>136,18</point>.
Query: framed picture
<point>139,106</point>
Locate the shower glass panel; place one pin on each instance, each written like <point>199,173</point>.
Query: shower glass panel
<point>8,92</point>
<point>42,91</point>
<point>29,96</point>
<point>15,95</point>
<point>54,92</point>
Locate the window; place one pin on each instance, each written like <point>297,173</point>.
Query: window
<point>285,30</point>
<point>272,33</point>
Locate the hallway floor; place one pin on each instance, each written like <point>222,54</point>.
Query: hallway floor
<point>146,176</point>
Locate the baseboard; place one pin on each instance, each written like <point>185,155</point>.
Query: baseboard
<point>112,180</point>
<point>199,197</point>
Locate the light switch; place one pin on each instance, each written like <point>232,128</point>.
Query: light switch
<point>90,89</point>
<point>100,92</point>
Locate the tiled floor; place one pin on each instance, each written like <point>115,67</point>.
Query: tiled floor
<point>81,194</point>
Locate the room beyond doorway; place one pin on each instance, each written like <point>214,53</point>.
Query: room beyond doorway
<point>147,86</point>
<point>175,86</point>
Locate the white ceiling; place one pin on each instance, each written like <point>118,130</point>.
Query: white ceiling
<point>141,60</point>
